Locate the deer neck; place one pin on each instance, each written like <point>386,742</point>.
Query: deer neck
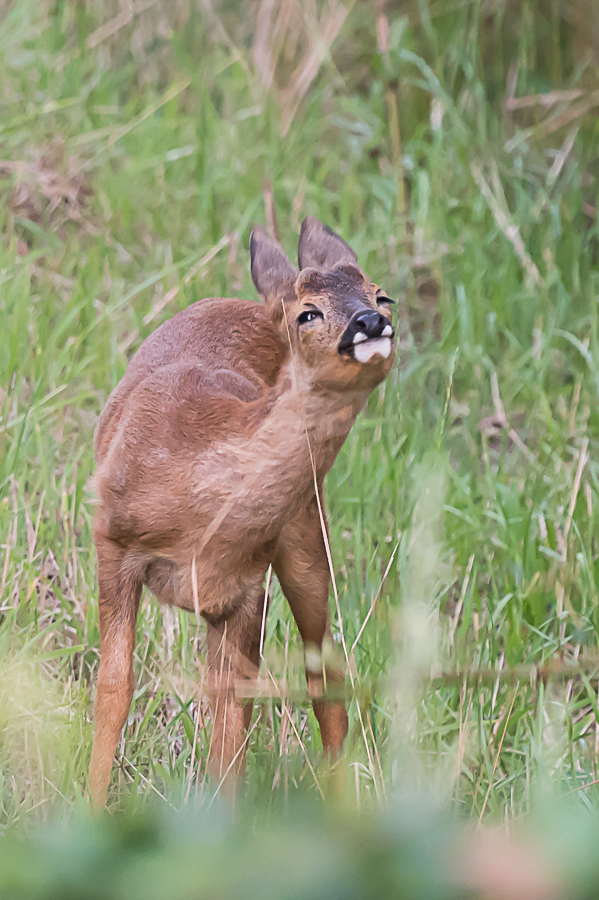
<point>257,481</point>
<point>314,416</point>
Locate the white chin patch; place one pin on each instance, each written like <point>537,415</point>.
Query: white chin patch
<point>364,352</point>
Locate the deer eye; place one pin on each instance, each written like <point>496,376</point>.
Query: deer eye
<point>383,300</point>
<point>309,315</point>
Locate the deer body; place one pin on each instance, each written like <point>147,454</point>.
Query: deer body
<point>209,452</point>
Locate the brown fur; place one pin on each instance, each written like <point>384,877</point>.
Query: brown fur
<point>204,478</point>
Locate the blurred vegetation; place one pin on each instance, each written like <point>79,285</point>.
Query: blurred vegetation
<point>454,144</point>
<point>412,851</point>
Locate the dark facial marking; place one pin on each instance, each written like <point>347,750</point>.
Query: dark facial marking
<point>339,285</point>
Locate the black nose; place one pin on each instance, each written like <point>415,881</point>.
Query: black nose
<point>370,323</point>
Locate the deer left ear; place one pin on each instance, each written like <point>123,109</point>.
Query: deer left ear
<point>272,273</point>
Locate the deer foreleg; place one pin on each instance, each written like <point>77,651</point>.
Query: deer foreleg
<point>302,568</point>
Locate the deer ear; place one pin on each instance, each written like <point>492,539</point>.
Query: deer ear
<point>321,248</point>
<point>272,273</point>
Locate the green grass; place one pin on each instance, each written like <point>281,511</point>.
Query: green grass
<point>477,672</point>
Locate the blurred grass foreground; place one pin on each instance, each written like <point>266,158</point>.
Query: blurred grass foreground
<point>454,144</point>
<point>409,852</point>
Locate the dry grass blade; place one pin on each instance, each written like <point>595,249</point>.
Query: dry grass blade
<point>571,115</point>
<point>169,95</point>
<point>194,589</point>
<point>377,754</point>
<point>582,458</point>
<point>224,36</point>
<point>374,599</point>
<point>506,224</point>
<point>232,763</point>
<point>464,730</point>
<point>561,157</point>
<point>544,100</point>
<point>265,611</point>
<point>160,304</point>
<point>208,257</point>
<point>491,425</point>
<point>147,781</point>
<point>270,210</point>
<point>273,21</point>
<point>322,40</point>
<point>497,755</point>
<point>128,11</point>
<point>458,610</point>
<point>193,751</point>
<point>298,737</point>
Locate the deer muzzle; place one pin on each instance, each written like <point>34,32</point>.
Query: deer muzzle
<point>368,334</point>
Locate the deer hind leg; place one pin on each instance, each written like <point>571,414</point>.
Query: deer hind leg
<point>302,568</point>
<point>118,604</point>
<point>233,662</point>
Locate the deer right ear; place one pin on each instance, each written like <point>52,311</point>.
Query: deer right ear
<point>272,273</point>
<point>321,248</point>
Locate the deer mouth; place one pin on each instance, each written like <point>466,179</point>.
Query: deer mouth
<point>363,348</point>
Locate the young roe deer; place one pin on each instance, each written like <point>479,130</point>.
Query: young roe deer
<point>208,452</point>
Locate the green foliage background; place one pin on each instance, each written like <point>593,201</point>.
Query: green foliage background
<point>454,144</point>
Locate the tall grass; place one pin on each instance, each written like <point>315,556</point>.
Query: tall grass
<point>455,146</point>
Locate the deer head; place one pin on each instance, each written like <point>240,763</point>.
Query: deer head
<point>337,321</point>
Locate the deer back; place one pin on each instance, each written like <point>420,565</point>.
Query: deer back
<point>231,346</point>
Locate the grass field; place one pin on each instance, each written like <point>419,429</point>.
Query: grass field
<point>454,145</point>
